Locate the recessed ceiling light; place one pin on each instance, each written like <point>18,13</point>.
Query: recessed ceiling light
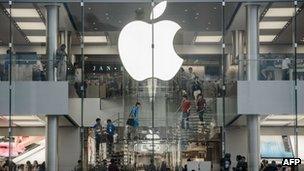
<point>279,12</point>
<point>37,39</point>
<point>209,22</point>
<point>184,21</point>
<point>186,10</point>
<point>196,17</point>
<point>266,38</point>
<point>107,13</point>
<point>31,25</point>
<point>108,18</point>
<point>197,13</point>
<point>30,123</point>
<point>275,123</point>
<point>93,23</point>
<point>208,39</point>
<point>24,13</point>
<point>272,24</point>
<point>94,39</point>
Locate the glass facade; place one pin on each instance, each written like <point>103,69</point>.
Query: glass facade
<point>175,84</point>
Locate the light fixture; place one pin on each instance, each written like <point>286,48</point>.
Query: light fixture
<point>95,39</point>
<point>275,123</point>
<point>283,117</point>
<point>29,123</point>
<point>37,39</point>
<point>24,13</point>
<point>31,25</point>
<point>208,39</point>
<point>279,12</point>
<point>266,38</point>
<point>272,24</point>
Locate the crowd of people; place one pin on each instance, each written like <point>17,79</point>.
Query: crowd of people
<point>28,166</point>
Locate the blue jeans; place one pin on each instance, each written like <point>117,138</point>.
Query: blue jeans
<point>185,120</point>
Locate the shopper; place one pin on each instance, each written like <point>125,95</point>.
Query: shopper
<point>196,88</point>
<point>28,166</point>
<point>185,107</point>
<point>285,67</point>
<point>110,135</point>
<point>271,167</point>
<point>35,166</point>
<point>151,166</point>
<point>225,162</point>
<point>78,167</point>
<point>163,166</point>
<point>98,136</point>
<point>59,64</point>
<point>201,106</point>
<point>113,166</point>
<point>190,80</point>
<point>42,167</point>
<point>135,111</point>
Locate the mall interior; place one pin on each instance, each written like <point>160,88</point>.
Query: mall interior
<point>151,85</point>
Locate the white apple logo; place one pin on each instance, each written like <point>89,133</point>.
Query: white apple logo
<point>135,48</point>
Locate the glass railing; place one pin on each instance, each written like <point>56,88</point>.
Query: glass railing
<point>33,68</point>
<point>274,69</point>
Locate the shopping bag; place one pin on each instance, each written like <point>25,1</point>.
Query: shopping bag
<point>130,122</point>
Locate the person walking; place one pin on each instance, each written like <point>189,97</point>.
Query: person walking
<point>200,106</point>
<point>135,111</point>
<point>98,136</point>
<point>185,107</point>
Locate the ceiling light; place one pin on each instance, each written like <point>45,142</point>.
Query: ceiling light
<point>29,123</point>
<point>95,39</point>
<point>37,39</point>
<point>208,39</point>
<point>266,38</point>
<point>280,12</point>
<point>23,118</point>
<point>31,25</point>
<point>24,13</point>
<point>283,117</point>
<point>272,24</point>
<point>275,123</point>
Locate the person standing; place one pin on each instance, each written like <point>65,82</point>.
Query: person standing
<point>185,107</point>
<point>98,136</point>
<point>110,135</point>
<point>113,166</point>
<point>59,64</point>
<point>285,67</point>
<point>225,162</point>
<point>200,106</point>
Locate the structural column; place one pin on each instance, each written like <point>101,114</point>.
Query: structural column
<point>52,120</point>
<point>253,121</point>
<point>238,52</point>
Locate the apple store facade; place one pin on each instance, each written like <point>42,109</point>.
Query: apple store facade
<point>212,85</point>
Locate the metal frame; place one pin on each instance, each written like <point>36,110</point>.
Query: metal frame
<point>143,1</point>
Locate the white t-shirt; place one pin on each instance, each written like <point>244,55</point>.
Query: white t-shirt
<point>285,63</point>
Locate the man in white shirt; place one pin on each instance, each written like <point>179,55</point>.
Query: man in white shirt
<point>285,67</point>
